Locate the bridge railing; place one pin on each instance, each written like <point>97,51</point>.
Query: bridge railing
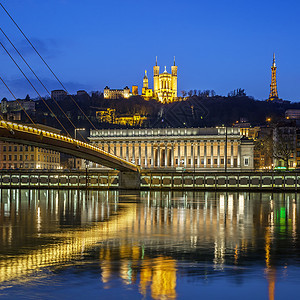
<point>52,135</point>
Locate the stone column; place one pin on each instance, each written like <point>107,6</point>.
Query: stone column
<point>185,153</point>
<point>133,151</point>
<point>211,154</point>
<point>198,155</point>
<point>158,154</point>
<point>115,148</point>
<point>121,149</point>
<point>108,147</point>
<point>218,155</point>
<point>231,154</point>
<point>239,156</point>
<point>192,155</point>
<point>140,154</point>
<point>152,155</point>
<point>172,155</point>
<point>146,154</point>
<point>204,154</point>
<point>166,155</point>
<point>127,151</point>
<point>179,162</point>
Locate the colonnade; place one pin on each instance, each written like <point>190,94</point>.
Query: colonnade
<point>177,153</point>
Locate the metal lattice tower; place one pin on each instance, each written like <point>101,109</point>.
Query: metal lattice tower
<point>273,87</point>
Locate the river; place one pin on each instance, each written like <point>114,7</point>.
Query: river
<point>74,244</point>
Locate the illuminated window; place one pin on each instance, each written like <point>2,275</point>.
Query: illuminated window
<point>246,161</point>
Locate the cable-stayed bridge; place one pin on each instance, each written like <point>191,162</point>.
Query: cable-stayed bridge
<point>29,135</point>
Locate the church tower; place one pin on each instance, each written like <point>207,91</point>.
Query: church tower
<point>145,81</point>
<point>174,79</point>
<point>273,87</point>
<point>155,78</point>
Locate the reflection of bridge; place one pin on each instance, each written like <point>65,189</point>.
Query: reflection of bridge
<point>18,133</point>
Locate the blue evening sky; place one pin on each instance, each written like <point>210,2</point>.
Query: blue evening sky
<point>218,44</point>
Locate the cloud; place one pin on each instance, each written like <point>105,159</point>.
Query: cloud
<point>20,87</point>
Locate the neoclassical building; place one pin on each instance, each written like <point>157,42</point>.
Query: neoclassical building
<point>179,148</point>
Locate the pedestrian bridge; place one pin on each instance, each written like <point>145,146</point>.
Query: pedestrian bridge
<point>30,135</point>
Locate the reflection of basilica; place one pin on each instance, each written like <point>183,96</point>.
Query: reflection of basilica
<point>142,242</point>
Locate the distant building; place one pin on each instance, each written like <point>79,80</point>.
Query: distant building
<point>19,156</point>
<point>165,84</point>
<point>292,114</point>
<point>58,95</point>
<point>106,115</point>
<point>146,92</point>
<point>16,156</point>
<point>109,116</point>
<point>179,148</point>
<point>15,110</point>
<point>135,90</point>
<point>116,94</point>
<point>81,93</point>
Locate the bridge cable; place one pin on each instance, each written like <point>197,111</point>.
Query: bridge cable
<point>17,102</point>
<point>47,66</point>
<point>35,89</point>
<point>40,81</point>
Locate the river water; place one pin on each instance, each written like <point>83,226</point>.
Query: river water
<point>73,244</point>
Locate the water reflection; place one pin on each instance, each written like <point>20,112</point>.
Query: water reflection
<point>150,242</point>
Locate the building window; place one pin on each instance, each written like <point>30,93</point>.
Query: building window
<point>21,148</point>
<point>16,148</point>
<point>21,157</point>
<point>31,148</point>
<point>190,161</point>
<point>246,161</point>
<point>16,157</point>
<point>202,161</point>
<point>222,161</point>
<point>215,161</point>
<point>31,157</point>
<point>208,161</point>
<point>4,157</point>
<point>9,157</point>
<point>9,148</point>
<point>4,148</point>
<point>291,164</point>
<point>228,161</point>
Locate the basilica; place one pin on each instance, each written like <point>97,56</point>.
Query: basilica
<point>164,85</point>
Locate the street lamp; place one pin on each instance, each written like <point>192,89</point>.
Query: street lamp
<point>78,129</point>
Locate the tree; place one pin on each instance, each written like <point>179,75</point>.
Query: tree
<point>190,93</point>
<point>183,93</point>
<point>27,98</point>
<point>284,144</point>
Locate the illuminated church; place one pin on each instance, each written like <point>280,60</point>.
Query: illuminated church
<point>164,85</point>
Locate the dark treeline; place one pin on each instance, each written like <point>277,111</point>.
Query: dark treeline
<point>199,110</point>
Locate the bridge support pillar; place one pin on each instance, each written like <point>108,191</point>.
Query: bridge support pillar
<point>129,180</point>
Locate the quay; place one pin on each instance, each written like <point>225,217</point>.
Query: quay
<point>151,180</point>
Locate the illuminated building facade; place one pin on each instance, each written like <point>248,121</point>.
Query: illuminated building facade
<point>116,93</point>
<point>165,84</point>
<point>109,116</point>
<point>179,148</point>
<point>146,92</point>
<point>15,156</point>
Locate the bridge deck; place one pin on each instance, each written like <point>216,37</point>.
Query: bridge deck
<point>29,135</point>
